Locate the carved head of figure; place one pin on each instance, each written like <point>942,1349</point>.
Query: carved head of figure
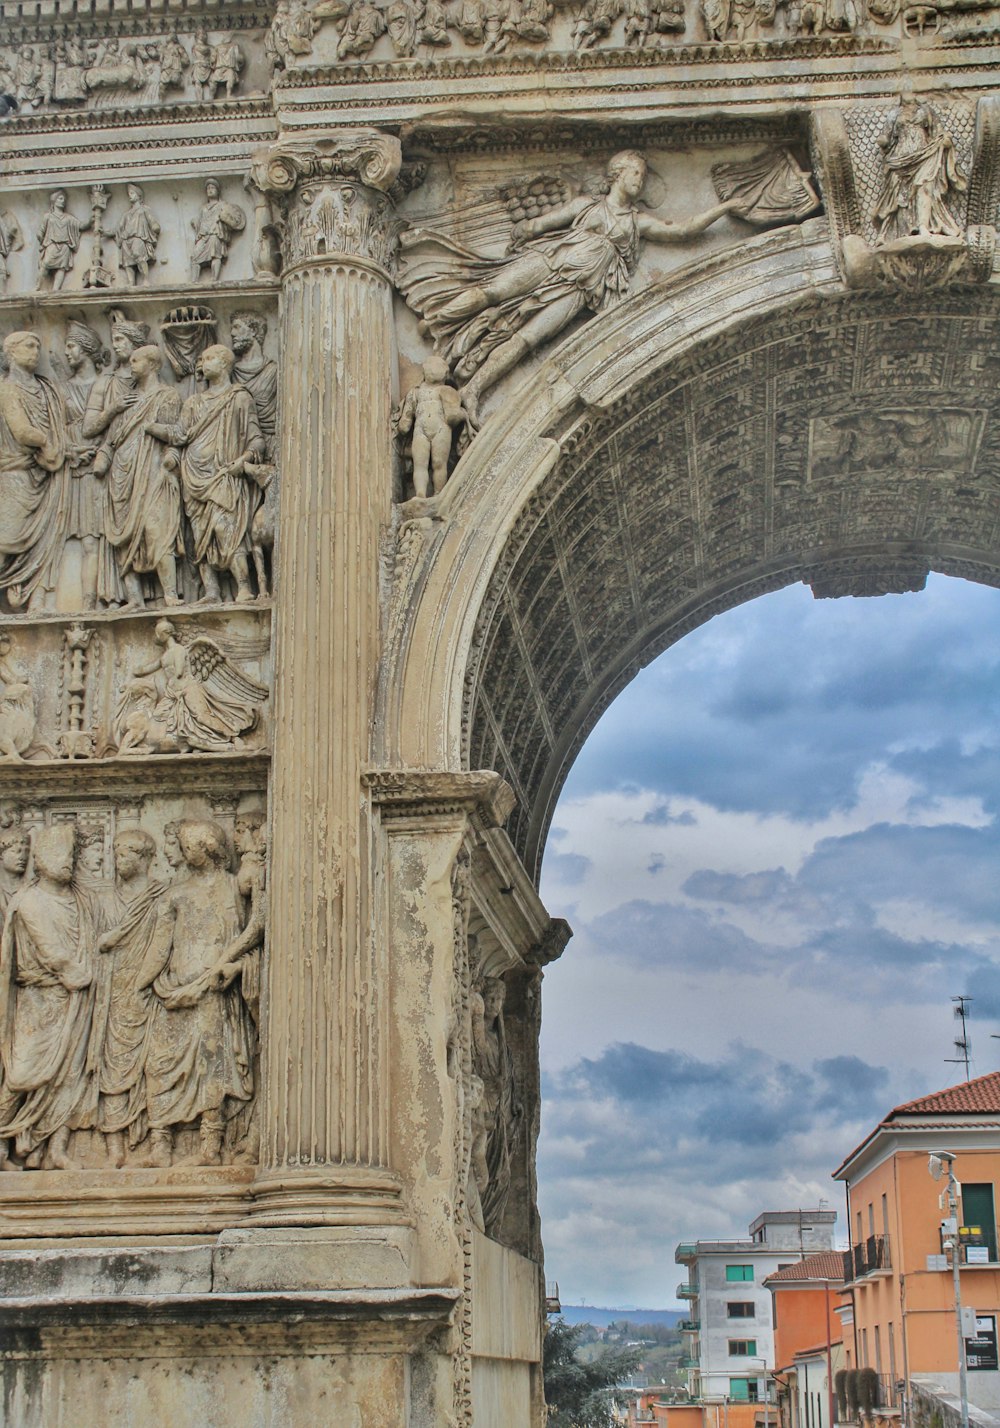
<point>22,349</point>
<point>90,854</point>
<point>216,362</point>
<point>435,370</point>
<point>134,193</point>
<point>15,849</point>
<point>145,360</point>
<point>164,632</point>
<point>171,844</point>
<point>247,830</point>
<point>626,172</point>
<point>245,329</point>
<point>203,843</point>
<point>126,337</point>
<point>55,852</point>
<point>134,850</point>
<point>82,342</point>
<point>212,189</point>
<point>494,994</point>
<point>57,199</point>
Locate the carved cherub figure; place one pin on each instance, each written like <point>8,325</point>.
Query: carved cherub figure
<point>429,415</point>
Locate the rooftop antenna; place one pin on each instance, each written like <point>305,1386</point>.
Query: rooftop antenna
<point>963,1045</point>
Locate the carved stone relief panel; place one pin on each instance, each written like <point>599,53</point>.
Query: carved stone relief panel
<point>70,69</point>
<point>912,189</point>
<point>143,451</point>
<point>497,263</point>
<point>126,235</point>
<point>135,687</point>
<point>129,979</point>
<point>309,33</point>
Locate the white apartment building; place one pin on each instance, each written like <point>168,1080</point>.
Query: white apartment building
<point>729,1332</point>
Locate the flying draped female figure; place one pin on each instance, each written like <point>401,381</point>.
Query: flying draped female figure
<point>487,314</point>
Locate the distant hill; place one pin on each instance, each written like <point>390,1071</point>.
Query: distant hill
<point>601,1318</point>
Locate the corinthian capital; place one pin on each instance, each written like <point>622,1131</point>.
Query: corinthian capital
<point>329,195</point>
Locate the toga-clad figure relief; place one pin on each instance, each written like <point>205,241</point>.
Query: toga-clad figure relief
<point>497,1112</point>
<point>128,1006</point>
<point>127,485</point>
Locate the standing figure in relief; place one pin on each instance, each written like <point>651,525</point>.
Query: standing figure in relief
<point>362,28</point>
<point>191,697</point>
<point>257,373</point>
<point>429,414</point>
<point>498,1111</point>
<point>487,314</point>
<point>198,1064</point>
<point>173,62</point>
<point>137,235</point>
<point>142,514</point>
<point>219,434</point>
<point>58,239</point>
<point>111,395</point>
<point>15,851</point>
<point>47,965</point>
<point>125,1004</point>
<point>11,241</point>
<point>921,170</point>
<point>227,61</point>
<point>201,64</point>
<point>242,957</point>
<point>28,79</point>
<point>34,476</point>
<point>17,707</point>
<point>213,232</point>
<point>85,356</point>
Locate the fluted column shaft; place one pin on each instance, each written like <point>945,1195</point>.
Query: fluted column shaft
<point>324,1100</point>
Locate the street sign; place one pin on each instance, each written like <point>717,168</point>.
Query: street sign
<point>981,1348</point>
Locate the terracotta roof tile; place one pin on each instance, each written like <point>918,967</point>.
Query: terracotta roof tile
<point>828,1264</point>
<point>979,1095</point>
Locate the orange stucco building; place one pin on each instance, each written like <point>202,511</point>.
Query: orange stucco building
<point>899,1291</point>
<point>808,1336</point>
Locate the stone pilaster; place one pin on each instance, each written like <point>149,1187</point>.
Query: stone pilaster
<point>324,1128</point>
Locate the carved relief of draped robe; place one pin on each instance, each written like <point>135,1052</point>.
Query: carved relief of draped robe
<point>199,1057</point>
<point>123,1019</point>
<point>217,428</point>
<point>48,947</point>
<point>142,519</point>
<point>33,498</point>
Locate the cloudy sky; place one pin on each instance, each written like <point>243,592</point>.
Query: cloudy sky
<point>780,854</point>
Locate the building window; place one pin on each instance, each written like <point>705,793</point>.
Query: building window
<point>742,1348</point>
<point>977,1210</point>
<point>739,1273</point>
<point>740,1308</point>
<point>892,1357</point>
<point>743,1390</point>
<point>885,1215</point>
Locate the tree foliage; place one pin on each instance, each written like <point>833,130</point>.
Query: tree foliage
<point>578,1394</point>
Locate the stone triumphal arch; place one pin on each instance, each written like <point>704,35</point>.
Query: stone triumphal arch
<point>384,384</point>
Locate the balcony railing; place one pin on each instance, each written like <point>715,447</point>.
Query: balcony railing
<point>688,1326</point>
<point>687,1291</point>
<point>865,1258</point>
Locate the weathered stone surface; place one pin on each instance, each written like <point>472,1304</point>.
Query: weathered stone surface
<point>383,385</point>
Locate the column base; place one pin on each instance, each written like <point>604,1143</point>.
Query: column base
<point>326,1195</point>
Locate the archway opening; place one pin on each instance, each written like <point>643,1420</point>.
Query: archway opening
<point>778,851</point>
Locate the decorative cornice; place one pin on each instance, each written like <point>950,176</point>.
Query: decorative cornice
<point>402,792</point>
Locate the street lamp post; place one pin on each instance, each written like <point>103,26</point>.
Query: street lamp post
<point>938,1163</point>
